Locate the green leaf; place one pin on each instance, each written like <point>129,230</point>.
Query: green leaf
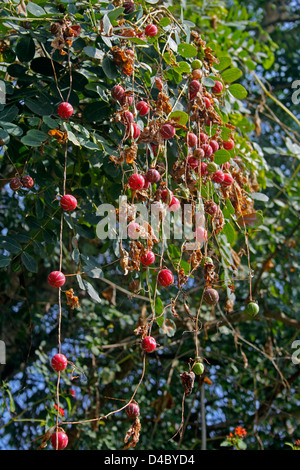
<point>11,245</point>
<point>187,50</point>
<point>29,262</point>
<point>40,106</point>
<point>228,230</point>
<point>224,63</point>
<point>184,67</point>
<point>97,111</point>
<point>259,197</point>
<point>159,306</point>
<point>231,75</point>
<point>4,261</point>
<point>221,156</point>
<point>92,292</point>
<point>34,138</point>
<point>165,22</point>
<point>109,68</point>
<point>114,14</point>
<point>238,91</point>
<point>93,52</point>
<point>209,82</point>
<point>35,9</point>
<point>180,116</point>
<point>25,49</point>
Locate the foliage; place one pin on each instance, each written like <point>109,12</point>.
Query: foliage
<point>110,299</point>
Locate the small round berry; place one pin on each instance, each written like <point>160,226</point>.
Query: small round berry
<point>68,202</point>
<point>147,184</point>
<point>208,151</point>
<point>211,296</point>
<point>118,93</point>
<point>143,108</point>
<point>167,131</point>
<point>27,181</point>
<point>252,309</point>
<point>15,184</point>
<point>166,195</point>
<point>151,30</point>
<point>197,74</point>
<point>127,117</point>
<point>196,64</point>
<point>225,166</point>
<point>228,145</point>
<point>148,344</point>
<point>194,88</point>
<point>135,131</point>
<point>199,153</point>
<point>148,258</point>
<point>198,368</point>
<point>211,208</point>
<point>201,234</point>
<point>56,279</point>
<point>129,7</point>
<point>165,277</point>
<point>191,139</point>
<point>59,362</point>
<point>218,177</point>
<point>132,410</point>
<point>153,175</point>
<point>174,205</point>
<point>203,137</point>
<point>133,230</point>
<point>214,145</point>
<point>65,110</point>
<point>59,440</point>
<point>202,169</point>
<point>136,181</point>
<point>217,88</point>
<point>192,161</point>
<point>126,100</point>
<point>228,179</point>
<point>212,167</point>
<point>207,102</point>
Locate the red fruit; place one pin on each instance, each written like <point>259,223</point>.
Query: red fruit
<point>127,117</point>
<point>15,184</point>
<point>203,170</point>
<point>167,131</point>
<point>201,234</point>
<point>56,279</point>
<point>65,110</point>
<point>147,184</point>
<point>118,92</point>
<point>154,149</point>
<point>199,153</point>
<point>165,277</point>
<point>142,108</point>
<point>193,162</point>
<point>174,205</point>
<point>148,258</point>
<point>225,166</point>
<point>208,151</point>
<point>59,440</point>
<point>27,181</point>
<point>203,137</point>
<point>133,230</point>
<point>130,52</point>
<point>207,102</point>
<point>135,131</point>
<point>151,30</point>
<point>194,88</point>
<point>136,181</point>
<point>217,88</point>
<point>153,175</point>
<point>164,195</point>
<point>218,177</point>
<point>132,410</point>
<point>148,344</point>
<point>211,208</point>
<point>129,7</point>
<point>191,139</point>
<point>228,180</point>
<point>59,362</point>
<point>126,100</point>
<point>228,145</point>
<point>214,145</point>
<point>68,202</point>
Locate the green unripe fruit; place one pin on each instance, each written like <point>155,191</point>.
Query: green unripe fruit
<point>196,64</point>
<point>211,167</point>
<point>252,309</point>
<point>198,368</point>
<point>206,260</point>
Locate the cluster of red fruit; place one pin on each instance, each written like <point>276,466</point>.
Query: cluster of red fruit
<point>23,182</point>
